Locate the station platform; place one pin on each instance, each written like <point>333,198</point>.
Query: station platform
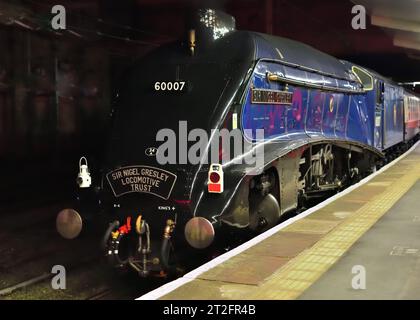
<point>373,225</point>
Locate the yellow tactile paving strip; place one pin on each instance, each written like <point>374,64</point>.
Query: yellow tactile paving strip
<point>335,227</point>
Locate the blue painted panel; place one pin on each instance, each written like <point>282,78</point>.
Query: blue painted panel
<point>314,113</point>
<point>346,84</point>
<point>329,113</point>
<point>295,114</point>
<point>342,104</point>
<point>393,104</point>
<point>295,74</point>
<point>270,117</point>
<point>357,119</point>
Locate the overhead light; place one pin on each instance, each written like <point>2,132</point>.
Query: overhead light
<point>406,42</point>
<point>392,23</point>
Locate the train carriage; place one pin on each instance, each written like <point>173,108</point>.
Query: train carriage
<point>411,116</point>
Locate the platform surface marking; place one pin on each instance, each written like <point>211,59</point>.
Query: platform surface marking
<point>388,254</point>
<point>300,273</point>
<point>287,263</point>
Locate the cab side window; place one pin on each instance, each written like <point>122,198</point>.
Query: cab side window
<point>364,78</point>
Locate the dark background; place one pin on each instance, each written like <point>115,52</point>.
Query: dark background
<point>56,88</point>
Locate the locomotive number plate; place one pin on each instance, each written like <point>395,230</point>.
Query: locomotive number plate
<point>141,179</point>
<point>167,86</point>
<point>265,96</point>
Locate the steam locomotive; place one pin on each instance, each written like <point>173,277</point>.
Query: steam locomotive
<point>322,124</point>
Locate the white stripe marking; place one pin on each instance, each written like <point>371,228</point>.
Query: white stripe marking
<point>173,285</point>
<point>280,54</point>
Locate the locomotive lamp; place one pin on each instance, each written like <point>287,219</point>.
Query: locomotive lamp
<point>215,180</point>
<point>199,232</point>
<point>83,178</point>
<point>191,39</point>
<point>69,223</point>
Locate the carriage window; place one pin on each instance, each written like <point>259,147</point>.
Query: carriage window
<point>364,77</point>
